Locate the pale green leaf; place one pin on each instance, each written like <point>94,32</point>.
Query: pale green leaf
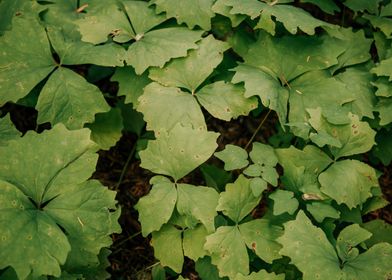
<point>193,242</point>
<point>109,21</point>
<point>190,72</point>
<point>221,8</point>
<point>66,96</point>
<point>166,107</point>
<point>178,152</point>
<point>270,175</point>
<point>167,245</point>
<point>191,12</point>
<point>130,84</point>
<point>306,244</point>
<point>384,87</point>
<point>383,23</point>
<point>348,182</point>
<point>262,274</point>
<point>225,101</point>
<point>150,205</point>
<point>384,107</point>
<point>228,251</point>
<point>51,195</point>
<point>25,59</point>
<point>321,211</point>
<point>233,156</point>
<point>284,202</point>
<point>355,137</point>
<point>261,84</point>
<point>260,236</point>
<point>384,68</point>
<point>157,47</point>
<point>257,186</point>
<point>253,170</point>
<point>8,130</point>
<point>263,154</point>
<point>350,237</point>
<point>106,128</point>
<point>72,51</point>
<point>238,199</point>
<point>199,203</point>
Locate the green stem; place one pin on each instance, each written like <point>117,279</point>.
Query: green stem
<point>126,165</point>
<point>257,129</point>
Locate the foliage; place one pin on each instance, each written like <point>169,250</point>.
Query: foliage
<point>290,206</point>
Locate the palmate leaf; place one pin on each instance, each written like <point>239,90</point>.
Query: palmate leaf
<point>39,195</point>
<point>233,156</point>
<point>178,152</point>
<point>291,17</point>
<point>65,97</point>
<point>192,12</point>
<point>191,71</point>
<point>349,182</point>
<point>284,202</point>
<point>381,21</point>
<point>165,107</point>
<point>8,130</point>
<point>21,58</point>
<point>304,244</point>
<point>353,137</point>
<point>262,274</point>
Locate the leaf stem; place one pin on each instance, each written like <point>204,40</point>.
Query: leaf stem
<point>257,129</point>
<point>126,166</point>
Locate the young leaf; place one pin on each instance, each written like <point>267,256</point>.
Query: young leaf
<point>178,152</point>
<point>192,12</point>
<point>190,72</point>
<point>263,155</point>
<point>166,107</point>
<point>320,211</point>
<point>348,239</point>
<point>284,202</point>
<point>238,199</point>
<point>349,182</point>
<point>149,205</point>
<point>50,196</point>
<point>233,156</point>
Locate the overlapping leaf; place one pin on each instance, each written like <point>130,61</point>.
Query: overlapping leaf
<point>41,193</point>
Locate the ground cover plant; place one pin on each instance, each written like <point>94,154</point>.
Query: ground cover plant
<point>195,139</point>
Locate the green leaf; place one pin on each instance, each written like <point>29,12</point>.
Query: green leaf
<point>263,154</point>
<point>321,211</point>
<point>167,245</point>
<point>49,197</point>
<point>8,130</point>
<point>25,59</point>
<point>220,7</point>
<point>191,12</point>
<point>261,84</point>
<point>355,137</point>
<point>306,244</point>
<point>199,203</point>
<point>228,251</point>
<point>348,239</point>
<point>150,205</point>
<point>215,177</point>
<point>61,101</point>
<point>190,72</point>
<point>73,51</point>
<point>206,270</point>
<point>383,86</point>
<point>384,68</point>
<point>384,107</point>
<point>193,242</point>
<point>257,186</point>
<point>225,101</point>
<point>355,180</point>
<point>157,47</point>
<point>178,152</point>
<point>260,236</point>
<point>238,199</point>
<point>383,23</point>
<point>381,232</point>
<point>262,274</point>
<point>293,18</point>
<point>106,128</point>
<point>166,107</point>
<point>130,84</point>
<point>284,202</point>
<point>362,5</point>
<point>301,169</point>
<point>327,6</point>
<point>253,170</point>
<point>233,156</point>
<point>383,149</point>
